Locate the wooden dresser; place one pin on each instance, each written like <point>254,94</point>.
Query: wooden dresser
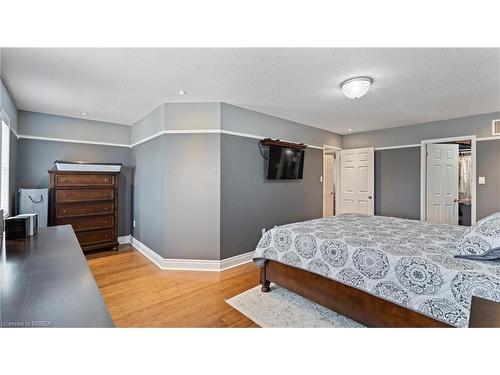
<point>89,202</point>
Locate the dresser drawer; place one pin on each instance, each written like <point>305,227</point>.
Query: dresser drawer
<point>72,210</point>
<point>88,222</point>
<point>95,236</point>
<point>84,195</point>
<point>68,180</point>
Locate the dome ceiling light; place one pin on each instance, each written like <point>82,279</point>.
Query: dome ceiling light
<point>355,88</point>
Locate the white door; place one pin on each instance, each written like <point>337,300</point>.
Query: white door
<point>328,190</point>
<point>442,183</point>
<point>357,181</point>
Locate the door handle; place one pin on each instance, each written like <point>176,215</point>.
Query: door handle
<point>370,197</point>
<point>455,200</point>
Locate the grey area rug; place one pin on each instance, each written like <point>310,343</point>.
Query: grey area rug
<point>281,308</point>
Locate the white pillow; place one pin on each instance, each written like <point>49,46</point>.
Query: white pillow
<point>481,237</point>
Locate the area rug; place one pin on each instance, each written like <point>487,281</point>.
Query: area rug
<point>281,308</point>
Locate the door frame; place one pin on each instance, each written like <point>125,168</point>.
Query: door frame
<point>336,176</point>
<point>423,173</point>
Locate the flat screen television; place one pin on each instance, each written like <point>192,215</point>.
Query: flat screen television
<point>285,163</point>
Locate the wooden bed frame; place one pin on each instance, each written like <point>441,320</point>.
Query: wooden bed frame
<point>361,306</point>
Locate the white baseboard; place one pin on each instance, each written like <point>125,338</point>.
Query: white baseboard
<point>147,252</point>
<point>187,264</point>
<point>236,260</point>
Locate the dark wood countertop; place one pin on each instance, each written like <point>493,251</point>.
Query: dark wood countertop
<point>45,282</point>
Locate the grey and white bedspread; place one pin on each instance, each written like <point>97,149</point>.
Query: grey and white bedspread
<point>407,262</point>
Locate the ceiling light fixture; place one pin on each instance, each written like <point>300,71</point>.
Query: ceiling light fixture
<point>349,130</point>
<point>355,88</point>
<point>182,92</point>
<point>85,113</point>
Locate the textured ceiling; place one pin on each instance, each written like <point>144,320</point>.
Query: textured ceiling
<point>300,84</point>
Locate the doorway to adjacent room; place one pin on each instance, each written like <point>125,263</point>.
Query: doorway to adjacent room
<point>448,175</point>
<point>330,180</point>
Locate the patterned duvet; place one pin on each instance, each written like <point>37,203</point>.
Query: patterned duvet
<point>404,261</point>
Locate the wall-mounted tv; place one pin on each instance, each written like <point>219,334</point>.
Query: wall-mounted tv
<point>285,163</point>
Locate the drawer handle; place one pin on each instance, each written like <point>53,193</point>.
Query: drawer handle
<point>106,194</point>
<point>65,211</point>
<point>106,180</point>
<point>105,236</point>
<point>105,221</point>
<point>65,195</point>
<point>106,208</point>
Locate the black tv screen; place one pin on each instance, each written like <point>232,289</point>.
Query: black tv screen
<point>285,163</point>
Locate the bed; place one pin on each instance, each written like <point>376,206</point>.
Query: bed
<point>379,271</point>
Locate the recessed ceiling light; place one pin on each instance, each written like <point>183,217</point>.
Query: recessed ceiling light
<point>349,130</point>
<point>355,88</point>
<point>85,113</point>
<point>182,92</point>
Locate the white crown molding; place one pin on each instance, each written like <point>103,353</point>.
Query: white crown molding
<point>173,131</point>
<point>213,131</point>
<point>180,131</point>
<point>255,136</point>
<point>187,264</point>
<point>23,136</point>
<point>204,131</point>
<point>14,132</point>
<point>395,147</point>
<point>490,138</point>
<point>146,139</point>
<point>478,139</point>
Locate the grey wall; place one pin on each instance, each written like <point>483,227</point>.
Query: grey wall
<point>192,116</point>
<point>35,157</point>
<point>398,187</point>
<point>488,165</point>
<point>177,181</point>
<point>150,124</point>
<point>192,195</point>
<point>397,183</point>
<point>249,202</point>
<point>148,193</point>
<point>203,196</point>
<point>177,116</point>
<point>52,126</point>
<point>177,195</point>
<point>480,125</point>
<point>251,122</point>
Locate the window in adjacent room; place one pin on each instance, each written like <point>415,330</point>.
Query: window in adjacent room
<point>4,178</point>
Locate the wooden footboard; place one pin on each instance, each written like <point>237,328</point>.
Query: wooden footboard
<point>353,303</point>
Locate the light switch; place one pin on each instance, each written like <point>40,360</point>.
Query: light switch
<point>482,180</point>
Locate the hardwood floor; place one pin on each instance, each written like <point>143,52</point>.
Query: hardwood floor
<point>139,294</point>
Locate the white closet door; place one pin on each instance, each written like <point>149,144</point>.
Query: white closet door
<point>357,181</point>
<point>442,183</point>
